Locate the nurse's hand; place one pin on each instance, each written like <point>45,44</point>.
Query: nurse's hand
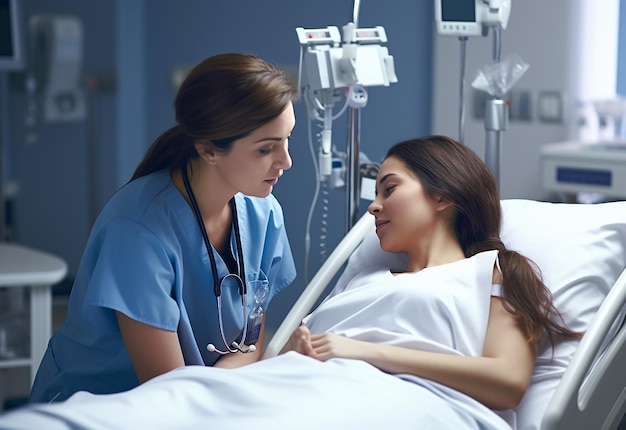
<point>299,341</point>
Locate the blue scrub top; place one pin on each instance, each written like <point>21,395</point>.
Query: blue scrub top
<point>145,257</point>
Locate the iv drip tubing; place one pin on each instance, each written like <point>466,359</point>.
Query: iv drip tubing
<point>307,238</point>
<point>355,12</point>
<point>300,61</point>
<point>314,106</point>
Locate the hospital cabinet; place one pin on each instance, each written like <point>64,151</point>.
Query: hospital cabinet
<point>573,167</point>
<point>26,280</point>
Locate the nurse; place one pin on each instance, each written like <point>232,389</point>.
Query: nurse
<point>184,259</point>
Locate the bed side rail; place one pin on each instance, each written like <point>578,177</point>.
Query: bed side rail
<point>601,403</point>
<point>318,284</point>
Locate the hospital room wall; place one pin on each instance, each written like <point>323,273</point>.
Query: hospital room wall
<point>57,189</point>
<point>132,47</point>
<point>571,48</point>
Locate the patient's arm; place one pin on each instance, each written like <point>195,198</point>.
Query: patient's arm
<point>498,379</point>
<point>152,350</point>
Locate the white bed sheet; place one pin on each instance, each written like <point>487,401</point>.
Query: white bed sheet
<point>290,391</point>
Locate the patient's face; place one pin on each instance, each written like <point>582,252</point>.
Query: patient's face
<point>405,214</point>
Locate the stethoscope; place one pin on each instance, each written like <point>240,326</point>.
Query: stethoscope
<point>239,277</point>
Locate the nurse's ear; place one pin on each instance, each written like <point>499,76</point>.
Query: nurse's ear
<point>206,151</point>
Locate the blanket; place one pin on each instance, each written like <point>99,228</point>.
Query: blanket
<point>290,391</point>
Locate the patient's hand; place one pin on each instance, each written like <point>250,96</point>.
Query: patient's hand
<point>328,345</point>
<point>299,341</point>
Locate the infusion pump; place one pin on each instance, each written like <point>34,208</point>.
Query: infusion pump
<point>573,167</point>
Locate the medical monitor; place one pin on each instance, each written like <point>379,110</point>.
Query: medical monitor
<point>11,48</point>
<point>458,17</point>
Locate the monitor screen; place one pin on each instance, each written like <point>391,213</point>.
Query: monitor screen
<point>458,10</point>
<point>11,50</point>
<point>458,17</point>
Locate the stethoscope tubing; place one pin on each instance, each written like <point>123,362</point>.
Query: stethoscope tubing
<point>217,285</point>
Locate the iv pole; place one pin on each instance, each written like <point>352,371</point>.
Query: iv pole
<point>489,14</point>
<point>496,116</point>
<point>352,150</point>
<point>3,139</point>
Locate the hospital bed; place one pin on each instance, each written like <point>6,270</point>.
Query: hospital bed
<point>581,251</point>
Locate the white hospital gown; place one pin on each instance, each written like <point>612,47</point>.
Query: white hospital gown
<point>440,309</point>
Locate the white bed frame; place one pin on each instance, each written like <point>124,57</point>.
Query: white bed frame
<point>599,405</point>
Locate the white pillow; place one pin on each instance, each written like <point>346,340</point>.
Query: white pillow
<point>580,250</point>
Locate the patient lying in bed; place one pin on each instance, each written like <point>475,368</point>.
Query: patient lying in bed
<point>432,347</point>
<point>475,331</point>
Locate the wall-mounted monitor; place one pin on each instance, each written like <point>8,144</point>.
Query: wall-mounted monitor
<point>11,42</point>
<point>458,17</point>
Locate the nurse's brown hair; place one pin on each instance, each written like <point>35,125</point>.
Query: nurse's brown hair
<point>222,99</point>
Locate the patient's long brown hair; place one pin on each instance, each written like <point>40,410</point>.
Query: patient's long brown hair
<point>453,171</point>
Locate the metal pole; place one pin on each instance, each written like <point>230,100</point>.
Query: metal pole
<point>4,113</point>
<point>354,131</point>
<point>463,41</point>
<point>496,120</point>
<point>356,6</point>
<point>353,169</point>
<point>496,117</point>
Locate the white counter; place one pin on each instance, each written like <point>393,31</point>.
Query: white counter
<point>38,271</point>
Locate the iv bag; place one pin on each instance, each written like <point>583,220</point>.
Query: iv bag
<point>498,78</point>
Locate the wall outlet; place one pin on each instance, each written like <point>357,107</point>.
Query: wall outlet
<point>550,106</point>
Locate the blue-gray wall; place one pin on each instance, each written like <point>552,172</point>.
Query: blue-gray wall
<point>53,207</point>
<point>131,47</point>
